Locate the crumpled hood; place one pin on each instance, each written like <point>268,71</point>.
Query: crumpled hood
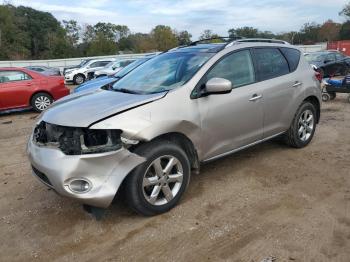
<point>84,108</point>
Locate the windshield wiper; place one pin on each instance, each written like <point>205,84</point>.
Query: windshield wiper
<point>124,90</point>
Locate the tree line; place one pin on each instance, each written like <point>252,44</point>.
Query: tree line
<point>26,33</point>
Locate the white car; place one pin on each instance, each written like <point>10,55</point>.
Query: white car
<point>112,68</point>
<point>79,75</point>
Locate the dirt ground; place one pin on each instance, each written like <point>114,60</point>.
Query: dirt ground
<point>269,200</point>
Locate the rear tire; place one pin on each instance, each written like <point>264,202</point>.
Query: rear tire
<point>303,126</point>
<point>326,97</point>
<point>157,185</point>
<point>41,101</point>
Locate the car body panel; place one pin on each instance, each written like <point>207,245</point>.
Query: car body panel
<point>215,124</point>
<point>111,168</point>
<point>17,94</point>
<point>93,106</point>
<point>331,62</point>
<point>95,84</point>
<point>85,69</point>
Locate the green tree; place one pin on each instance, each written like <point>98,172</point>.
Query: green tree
<point>72,30</point>
<point>183,37</point>
<point>164,37</point>
<point>329,31</point>
<point>309,33</point>
<point>345,11</point>
<point>344,33</point>
<point>248,32</point>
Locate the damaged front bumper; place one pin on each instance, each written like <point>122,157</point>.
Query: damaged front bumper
<point>103,173</point>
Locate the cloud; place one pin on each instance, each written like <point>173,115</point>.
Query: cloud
<point>194,15</point>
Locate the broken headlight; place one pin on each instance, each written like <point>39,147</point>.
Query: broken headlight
<point>76,140</point>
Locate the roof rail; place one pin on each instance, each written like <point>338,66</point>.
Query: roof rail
<point>229,39</point>
<point>256,40</point>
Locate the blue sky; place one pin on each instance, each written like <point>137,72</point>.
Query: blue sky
<point>194,15</point>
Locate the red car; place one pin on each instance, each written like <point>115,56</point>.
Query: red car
<point>21,88</point>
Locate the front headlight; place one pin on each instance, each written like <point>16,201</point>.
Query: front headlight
<point>76,140</point>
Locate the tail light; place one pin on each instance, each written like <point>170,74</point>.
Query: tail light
<point>61,81</point>
<point>318,76</point>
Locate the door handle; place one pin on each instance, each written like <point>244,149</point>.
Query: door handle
<point>297,84</point>
<point>255,97</point>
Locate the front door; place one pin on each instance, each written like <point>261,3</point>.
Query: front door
<point>233,120</point>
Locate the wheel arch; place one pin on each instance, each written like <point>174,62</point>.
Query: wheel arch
<point>185,143</point>
<point>315,101</point>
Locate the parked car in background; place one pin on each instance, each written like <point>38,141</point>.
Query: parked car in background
<point>158,123</point>
<point>82,63</point>
<point>79,75</point>
<point>50,71</point>
<point>21,88</point>
<point>329,63</point>
<point>106,80</point>
<point>111,68</point>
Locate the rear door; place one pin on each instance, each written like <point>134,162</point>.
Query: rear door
<point>278,85</point>
<point>15,89</point>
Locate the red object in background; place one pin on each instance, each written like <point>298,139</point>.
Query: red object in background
<point>18,91</point>
<point>318,76</point>
<point>342,46</point>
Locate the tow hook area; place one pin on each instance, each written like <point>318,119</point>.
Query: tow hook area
<point>97,212</point>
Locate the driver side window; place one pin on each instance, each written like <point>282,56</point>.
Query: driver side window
<point>236,67</point>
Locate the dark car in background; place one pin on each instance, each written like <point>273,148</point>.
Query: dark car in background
<point>329,63</point>
<point>46,70</point>
<point>22,88</point>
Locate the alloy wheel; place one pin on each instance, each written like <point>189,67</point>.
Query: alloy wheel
<point>42,102</point>
<point>162,180</point>
<point>306,125</point>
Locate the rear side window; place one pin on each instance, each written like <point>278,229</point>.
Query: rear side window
<point>293,57</point>
<point>270,63</point>
<point>339,56</point>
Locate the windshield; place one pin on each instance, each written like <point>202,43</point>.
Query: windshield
<point>130,67</point>
<point>110,64</point>
<point>83,62</point>
<point>314,57</point>
<point>163,73</point>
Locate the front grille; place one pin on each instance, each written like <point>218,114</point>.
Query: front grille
<point>41,176</point>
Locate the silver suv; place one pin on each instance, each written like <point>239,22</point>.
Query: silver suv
<point>155,126</point>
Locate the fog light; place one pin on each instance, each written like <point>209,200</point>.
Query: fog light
<point>80,186</point>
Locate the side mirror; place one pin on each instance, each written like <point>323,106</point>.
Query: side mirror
<point>218,86</point>
<point>327,61</point>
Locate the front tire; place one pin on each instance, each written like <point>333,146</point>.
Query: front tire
<point>157,185</point>
<point>41,101</point>
<point>78,79</point>
<point>303,126</point>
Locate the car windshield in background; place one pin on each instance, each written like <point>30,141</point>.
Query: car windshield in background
<point>163,73</point>
<point>130,67</point>
<point>313,57</point>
